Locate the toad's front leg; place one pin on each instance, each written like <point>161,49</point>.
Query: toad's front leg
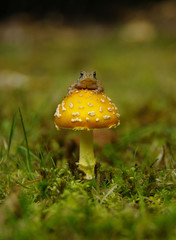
<point>71,88</point>
<point>99,88</point>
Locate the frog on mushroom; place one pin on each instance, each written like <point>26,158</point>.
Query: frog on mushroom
<point>87,80</point>
<point>85,108</point>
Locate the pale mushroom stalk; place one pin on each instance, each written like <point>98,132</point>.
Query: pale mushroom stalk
<point>86,156</point>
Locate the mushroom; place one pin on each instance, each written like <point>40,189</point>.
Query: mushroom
<point>85,110</point>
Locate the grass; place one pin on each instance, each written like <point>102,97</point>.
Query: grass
<point>28,157</point>
<point>42,194</point>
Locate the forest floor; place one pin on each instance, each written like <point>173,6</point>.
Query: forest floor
<point>42,194</point>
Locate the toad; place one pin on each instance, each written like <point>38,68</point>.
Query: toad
<point>87,80</point>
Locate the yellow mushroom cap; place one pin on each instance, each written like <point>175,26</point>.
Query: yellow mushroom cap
<point>86,109</point>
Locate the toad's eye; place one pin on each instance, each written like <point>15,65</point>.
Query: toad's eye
<point>94,74</point>
<point>81,74</point>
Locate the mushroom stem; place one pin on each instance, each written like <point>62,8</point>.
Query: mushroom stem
<point>86,156</point>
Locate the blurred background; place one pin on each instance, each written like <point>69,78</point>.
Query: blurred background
<point>43,47</point>
<point>45,44</point>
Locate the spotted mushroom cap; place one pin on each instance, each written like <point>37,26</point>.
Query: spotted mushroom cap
<point>86,109</point>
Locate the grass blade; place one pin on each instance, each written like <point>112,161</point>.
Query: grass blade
<point>11,135</point>
<point>51,161</point>
<point>108,193</point>
<point>20,184</point>
<point>31,153</point>
<point>28,158</point>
